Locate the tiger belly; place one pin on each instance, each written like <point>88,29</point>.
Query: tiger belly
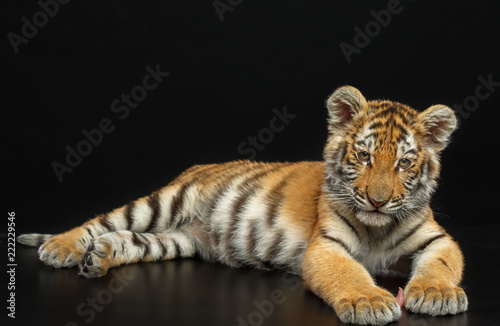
<point>262,217</point>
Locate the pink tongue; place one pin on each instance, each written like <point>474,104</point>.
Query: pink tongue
<point>400,298</point>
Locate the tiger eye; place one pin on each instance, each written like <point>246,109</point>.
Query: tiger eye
<point>404,163</point>
<point>364,156</point>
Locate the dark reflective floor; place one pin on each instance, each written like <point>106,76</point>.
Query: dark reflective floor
<point>191,292</point>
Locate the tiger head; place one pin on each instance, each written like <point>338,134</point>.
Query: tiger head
<point>382,157</point>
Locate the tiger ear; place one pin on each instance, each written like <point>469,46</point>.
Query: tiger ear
<point>438,122</point>
<point>344,104</point>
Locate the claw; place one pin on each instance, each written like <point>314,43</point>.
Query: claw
<point>88,259</point>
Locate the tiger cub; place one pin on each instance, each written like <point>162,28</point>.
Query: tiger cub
<point>336,222</point>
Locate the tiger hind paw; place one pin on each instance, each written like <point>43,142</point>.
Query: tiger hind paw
<point>62,251</point>
<point>96,260</point>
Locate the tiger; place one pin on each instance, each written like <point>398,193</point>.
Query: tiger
<point>337,223</point>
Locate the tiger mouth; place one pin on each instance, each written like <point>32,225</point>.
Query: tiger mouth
<point>374,217</point>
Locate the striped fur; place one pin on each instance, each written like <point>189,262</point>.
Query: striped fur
<point>336,222</point>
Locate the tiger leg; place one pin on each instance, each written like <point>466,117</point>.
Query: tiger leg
<point>166,209</point>
<point>126,247</point>
<point>334,275</point>
<point>434,284</point>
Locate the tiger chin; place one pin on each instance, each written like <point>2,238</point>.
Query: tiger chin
<point>336,222</point>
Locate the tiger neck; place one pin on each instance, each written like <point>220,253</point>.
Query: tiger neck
<point>376,236</point>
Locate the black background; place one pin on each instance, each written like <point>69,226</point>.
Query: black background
<point>225,79</point>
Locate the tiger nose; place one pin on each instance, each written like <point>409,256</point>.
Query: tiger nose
<point>377,203</point>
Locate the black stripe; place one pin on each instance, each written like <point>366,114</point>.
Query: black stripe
<point>128,215</point>
<point>350,178</point>
<point>412,175</point>
<point>396,203</point>
<point>273,251</point>
<point>177,202</point>
<point>402,128</point>
<point>346,221</point>
<point>375,125</point>
<point>177,248</point>
<point>395,223</point>
<point>136,241</point>
<point>341,153</point>
<point>106,222</point>
<point>352,161</point>
<point>417,187</point>
<point>402,136</point>
<point>360,201</point>
<point>387,112</point>
<point>351,164</point>
<point>431,168</point>
<point>146,246</point>
<point>411,151</point>
<point>294,263</point>
<point>276,196</point>
<point>402,114</point>
<point>162,247</point>
<point>408,186</point>
<point>88,230</point>
<point>276,246</point>
<point>338,241</point>
<point>237,207</point>
<point>299,252</point>
<point>407,234</point>
<point>374,135</point>
<point>154,204</point>
<point>424,169</point>
<point>249,183</point>
<point>424,245</point>
<point>266,265</point>
<point>419,172</point>
<point>186,220</point>
<point>252,239</point>
<point>40,240</point>
<point>140,241</point>
<point>442,261</point>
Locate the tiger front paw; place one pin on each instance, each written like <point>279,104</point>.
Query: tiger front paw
<point>96,260</point>
<point>63,250</point>
<point>371,306</point>
<point>434,298</point>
